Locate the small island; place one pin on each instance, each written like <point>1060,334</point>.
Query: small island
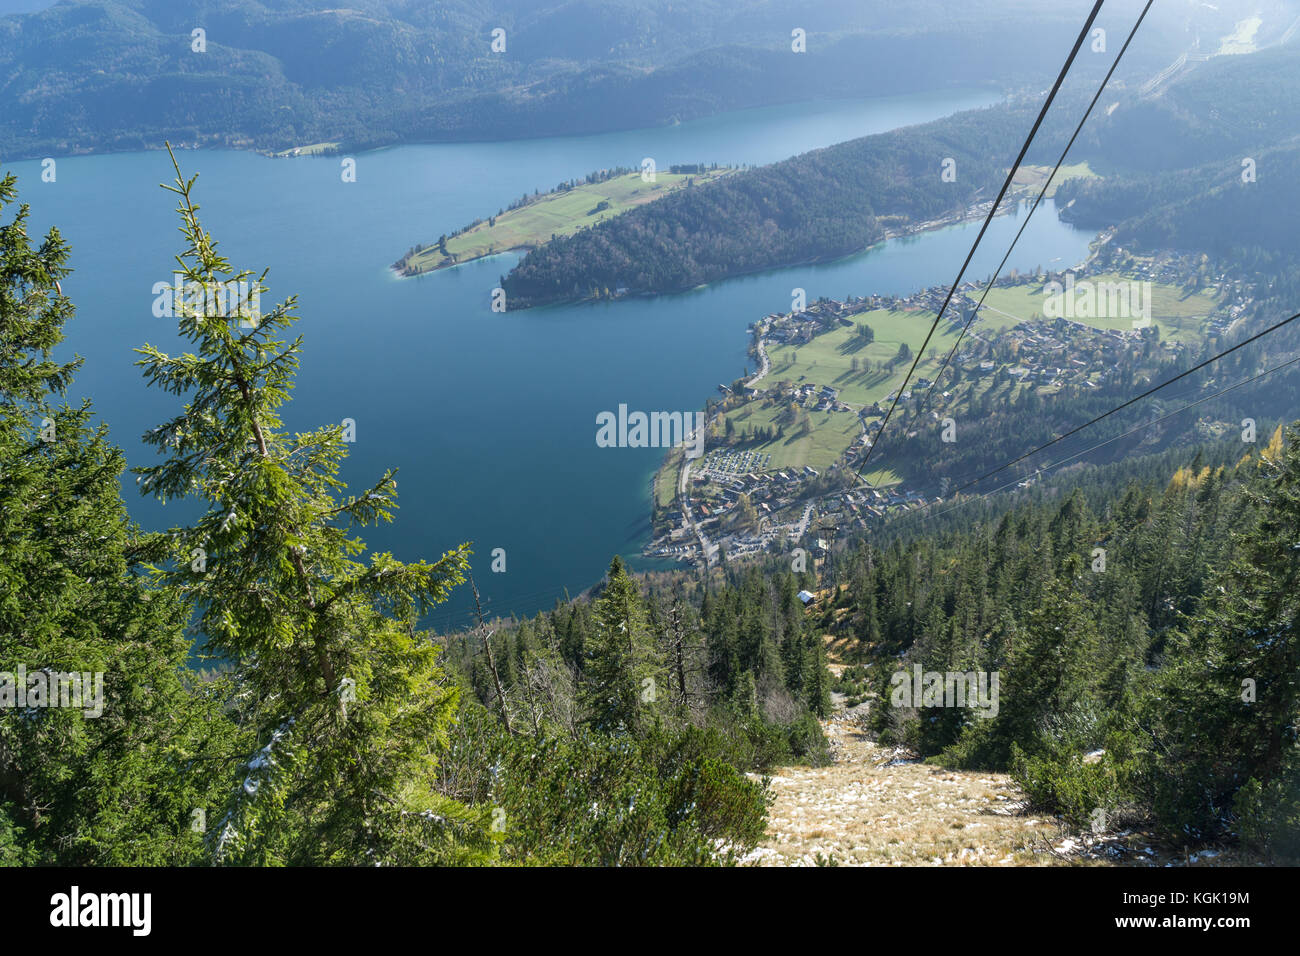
<point>571,206</point>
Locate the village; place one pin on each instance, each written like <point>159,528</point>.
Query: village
<point>745,497</point>
<point>748,513</point>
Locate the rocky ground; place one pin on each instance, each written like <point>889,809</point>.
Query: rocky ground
<point>876,806</point>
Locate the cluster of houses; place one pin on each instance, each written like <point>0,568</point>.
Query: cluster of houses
<point>768,490</point>
<point>844,510</point>
<point>726,464</point>
<point>791,331</point>
<point>917,390</point>
<point>1064,352</point>
<point>1056,352</point>
<point>930,300</point>
<point>823,399</point>
<point>1221,324</point>
<point>800,328</point>
<point>857,508</point>
<point>1177,268</point>
<point>1236,300</point>
<point>771,493</point>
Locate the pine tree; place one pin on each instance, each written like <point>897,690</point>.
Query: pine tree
<point>624,678</point>
<point>1228,712</point>
<point>79,788</point>
<point>346,698</point>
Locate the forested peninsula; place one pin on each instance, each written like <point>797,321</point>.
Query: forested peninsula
<point>815,207</point>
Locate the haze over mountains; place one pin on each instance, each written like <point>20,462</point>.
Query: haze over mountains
<point>836,201</point>
<point>121,74</point>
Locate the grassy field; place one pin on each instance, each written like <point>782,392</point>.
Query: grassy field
<point>666,479</point>
<point>828,359</point>
<point>1178,314</point>
<point>831,433</point>
<point>554,214</point>
<point>1031,177</point>
<point>315,149</point>
<point>880,478</point>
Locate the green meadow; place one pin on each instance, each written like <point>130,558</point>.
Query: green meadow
<point>559,213</point>
<point>1178,313</point>
<point>313,149</point>
<point>828,358</point>
<point>1031,177</point>
<point>667,477</point>
<point>831,433</point>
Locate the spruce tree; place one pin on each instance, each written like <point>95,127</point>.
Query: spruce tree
<point>345,696</point>
<point>819,678</point>
<point>127,785</point>
<point>623,678</point>
<point>1051,670</point>
<point>1227,713</point>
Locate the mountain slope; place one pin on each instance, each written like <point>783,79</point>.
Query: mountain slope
<point>122,74</point>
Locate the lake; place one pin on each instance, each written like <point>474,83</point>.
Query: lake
<point>489,417</point>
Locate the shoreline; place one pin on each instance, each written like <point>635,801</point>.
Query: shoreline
<point>400,274</point>
<point>607,188</point>
<point>970,214</point>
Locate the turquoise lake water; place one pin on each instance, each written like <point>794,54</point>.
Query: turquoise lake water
<point>489,417</point>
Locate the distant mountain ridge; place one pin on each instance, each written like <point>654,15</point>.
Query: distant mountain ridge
<point>96,75</point>
<point>1171,167</point>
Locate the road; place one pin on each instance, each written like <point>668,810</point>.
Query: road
<point>765,364</point>
<point>707,548</point>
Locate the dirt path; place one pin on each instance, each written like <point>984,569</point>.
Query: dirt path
<point>877,806</point>
<point>874,807</point>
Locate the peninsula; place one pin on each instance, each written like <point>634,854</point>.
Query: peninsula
<point>571,206</point>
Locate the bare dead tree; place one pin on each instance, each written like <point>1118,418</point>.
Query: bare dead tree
<point>492,664</point>
<point>679,651</point>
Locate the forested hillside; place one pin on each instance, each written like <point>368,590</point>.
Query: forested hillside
<point>1237,211</point>
<point>1145,638</point>
<point>1182,172</point>
<point>127,74</point>
<point>1225,108</point>
<point>829,203</point>
<point>324,726</point>
<point>820,205</point>
<point>1136,624</point>
<point>1157,685</point>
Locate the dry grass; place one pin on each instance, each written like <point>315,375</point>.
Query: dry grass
<point>877,806</point>
<point>872,808</point>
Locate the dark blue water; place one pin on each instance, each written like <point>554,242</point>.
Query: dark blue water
<point>489,417</point>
